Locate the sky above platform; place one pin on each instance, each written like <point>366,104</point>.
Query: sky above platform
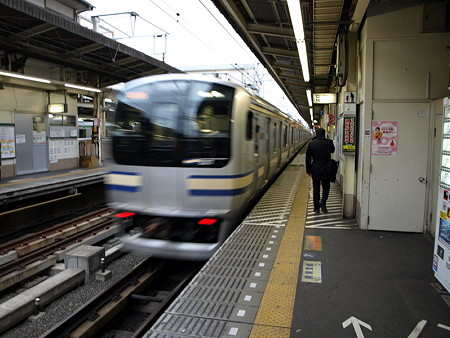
<point>195,32</point>
<point>183,33</point>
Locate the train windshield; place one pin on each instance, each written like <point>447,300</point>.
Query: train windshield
<point>174,123</point>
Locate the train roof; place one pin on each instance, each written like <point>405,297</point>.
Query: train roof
<point>205,78</point>
<point>177,76</point>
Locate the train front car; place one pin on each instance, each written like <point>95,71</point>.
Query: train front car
<point>172,168</point>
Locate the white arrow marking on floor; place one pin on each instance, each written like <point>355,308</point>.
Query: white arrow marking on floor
<point>444,327</point>
<point>418,329</point>
<point>356,325</point>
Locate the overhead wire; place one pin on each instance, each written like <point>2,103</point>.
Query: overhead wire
<point>192,30</point>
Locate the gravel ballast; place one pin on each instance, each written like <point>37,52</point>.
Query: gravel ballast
<point>63,307</point>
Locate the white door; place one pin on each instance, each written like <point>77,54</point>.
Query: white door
<point>24,144</point>
<point>31,145</point>
<point>398,182</point>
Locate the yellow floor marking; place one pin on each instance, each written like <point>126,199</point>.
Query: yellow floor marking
<point>47,177</point>
<point>274,317</point>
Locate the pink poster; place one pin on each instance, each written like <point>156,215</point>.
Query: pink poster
<point>384,138</point>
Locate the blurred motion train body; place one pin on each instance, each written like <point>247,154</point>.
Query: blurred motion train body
<point>190,154</point>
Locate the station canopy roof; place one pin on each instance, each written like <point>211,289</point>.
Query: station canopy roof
<point>266,27</point>
<point>33,31</point>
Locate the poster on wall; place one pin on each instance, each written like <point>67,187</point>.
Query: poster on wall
<point>7,141</point>
<point>384,138</point>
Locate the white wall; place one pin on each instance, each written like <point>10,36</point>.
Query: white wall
<point>397,63</point>
<point>22,100</point>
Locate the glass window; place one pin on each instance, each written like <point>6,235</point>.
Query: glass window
<point>174,123</point>
<point>249,132</point>
<point>55,120</point>
<point>69,120</point>
<point>207,125</point>
<point>275,137</point>
<point>285,136</point>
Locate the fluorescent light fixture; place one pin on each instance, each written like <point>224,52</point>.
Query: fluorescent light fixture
<point>24,77</point>
<point>295,12</point>
<point>89,89</point>
<point>311,113</point>
<point>309,96</point>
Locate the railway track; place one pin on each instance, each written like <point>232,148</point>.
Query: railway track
<point>27,244</point>
<point>132,304</point>
<point>142,294</point>
<point>32,255</point>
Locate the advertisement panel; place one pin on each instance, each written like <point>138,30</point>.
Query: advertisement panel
<point>384,138</point>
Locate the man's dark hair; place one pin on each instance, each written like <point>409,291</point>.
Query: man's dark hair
<point>320,132</point>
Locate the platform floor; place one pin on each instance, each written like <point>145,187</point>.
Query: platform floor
<point>25,186</point>
<point>287,272</point>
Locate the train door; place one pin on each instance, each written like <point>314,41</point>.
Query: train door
<point>280,143</point>
<point>268,151</point>
<point>273,149</point>
<point>258,152</point>
<point>399,159</point>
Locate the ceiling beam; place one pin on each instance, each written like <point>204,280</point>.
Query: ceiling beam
<point>86,49</point>
<point>286,66</point>
<point>280,52</point>
<point>271,30</point>
<point>290,76</point>
<point>30,32</point>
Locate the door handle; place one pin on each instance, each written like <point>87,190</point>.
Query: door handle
<point>422,180</point>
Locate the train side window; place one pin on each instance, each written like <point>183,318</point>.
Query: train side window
<point>275,137</point>
<point>249,131</point>
<point>257,136</point>
<point>285,136</point>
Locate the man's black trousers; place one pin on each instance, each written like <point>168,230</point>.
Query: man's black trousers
<point>316,192</point>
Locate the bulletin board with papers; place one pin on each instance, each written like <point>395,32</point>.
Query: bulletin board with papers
<point>7,141</point>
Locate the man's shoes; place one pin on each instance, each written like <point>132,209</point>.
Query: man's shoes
<point>317,210</point>
<point>323,207</point>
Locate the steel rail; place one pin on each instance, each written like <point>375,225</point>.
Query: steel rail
<point>11,245</point>
<point>21,262</point>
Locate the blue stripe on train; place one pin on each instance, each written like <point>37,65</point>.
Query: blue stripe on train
<point>231,192</point>
<point>220,176</point>
<point>124,173</point>
<point>121,188</point>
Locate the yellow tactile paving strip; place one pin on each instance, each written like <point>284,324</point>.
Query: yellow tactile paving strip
<point>275,313</point>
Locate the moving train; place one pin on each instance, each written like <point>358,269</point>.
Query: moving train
<point>190,154</point>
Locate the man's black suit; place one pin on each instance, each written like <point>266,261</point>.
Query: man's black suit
<point>318,154</point>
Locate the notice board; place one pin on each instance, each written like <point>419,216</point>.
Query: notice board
<point>7,141</point>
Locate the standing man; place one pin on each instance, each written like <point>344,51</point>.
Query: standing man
<point>318,154</point>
